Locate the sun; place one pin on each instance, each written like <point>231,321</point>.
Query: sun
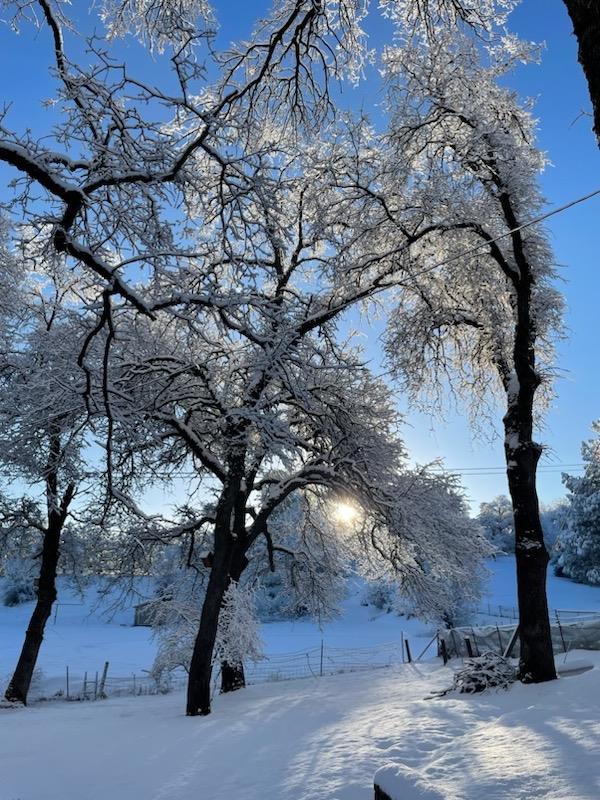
<point>345,513</point>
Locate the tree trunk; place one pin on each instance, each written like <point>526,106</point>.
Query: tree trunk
<point>536,663</point>
<point>198,691</point>
<point>232,677</point>
<point>585,16</point>
<point>18,688</point>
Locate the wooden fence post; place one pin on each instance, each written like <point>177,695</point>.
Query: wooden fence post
<point>101,692</point>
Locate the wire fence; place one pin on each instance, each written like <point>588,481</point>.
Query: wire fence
<point>314,662</point>
<point>570,630</point>
<point>512,613</point>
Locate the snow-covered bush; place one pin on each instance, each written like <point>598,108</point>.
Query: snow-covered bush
<point>238,637</point>
<point>381,594</point>
<point>18,584</point>
<point>487,671</point>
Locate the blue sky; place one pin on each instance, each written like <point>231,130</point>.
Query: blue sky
<point>565,134</point>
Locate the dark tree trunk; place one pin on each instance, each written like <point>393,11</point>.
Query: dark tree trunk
<point>585,16</point>
<point>198,691</point>
<point>232,677</point>
<point>536,662</point>
<point>229,538</point>
<point>18,688</point>
<point>57,509</point>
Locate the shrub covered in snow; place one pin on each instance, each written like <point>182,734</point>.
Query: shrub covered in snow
<point>381,594</point>
<point>238,637</point>
<point>486,671</point>
<point>18,584</point>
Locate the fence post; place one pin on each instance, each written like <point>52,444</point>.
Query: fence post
<point>511,643</point>
<point>499,640</point>
<point>475,645</point>
<point>96,686</point>
<point>67,681</point>
<point>85,685</point>
<point>408,653</point>
<point>469,647</point>
<point>101,691</point>
<point>321,664</point>
<point>560,630</point>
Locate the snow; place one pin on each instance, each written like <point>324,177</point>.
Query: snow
<point>85,635</point>
<point>563,593</point>
<point>307,739</point>
<point>315,739</point>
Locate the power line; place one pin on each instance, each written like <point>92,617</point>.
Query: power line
<point>488,242</point>
<point>544,469</point>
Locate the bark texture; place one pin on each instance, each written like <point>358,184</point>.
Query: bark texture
<point>522,455</point>
<point>585,16</point>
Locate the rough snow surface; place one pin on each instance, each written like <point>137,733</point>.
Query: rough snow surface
<point>316,739</point>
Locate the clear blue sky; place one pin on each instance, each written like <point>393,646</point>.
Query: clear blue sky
<point>561,93</point>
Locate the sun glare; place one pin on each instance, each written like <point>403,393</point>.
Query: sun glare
<point>345,513</point>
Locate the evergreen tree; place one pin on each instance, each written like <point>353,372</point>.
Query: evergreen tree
<point>579,546</point>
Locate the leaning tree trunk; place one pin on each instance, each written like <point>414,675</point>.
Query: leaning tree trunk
<point>18,688</point>
<point>536,662</point>
<point>198,691</point>
<point>585,16</point>
<point>232,675</point>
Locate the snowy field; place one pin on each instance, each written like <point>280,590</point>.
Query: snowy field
<point>315,739</point>
<point>312,739</point>
<point>83,636</point>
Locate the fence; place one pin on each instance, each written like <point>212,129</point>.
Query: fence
<point>511,612</point>
<point>313,662</point>
<point>570,630</point>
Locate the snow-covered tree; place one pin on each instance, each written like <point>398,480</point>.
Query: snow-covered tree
<point>105,182</point>
<point>261,410</point>
<point>42,434</point>
<point>496,519</point>
<point>578,547</point>
<point>480,310</point>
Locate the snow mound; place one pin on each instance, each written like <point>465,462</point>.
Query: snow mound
<point>403,783</point>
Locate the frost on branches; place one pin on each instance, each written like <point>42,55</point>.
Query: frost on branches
<point>480,313</point>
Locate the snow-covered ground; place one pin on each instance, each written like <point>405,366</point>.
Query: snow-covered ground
<point>83,636</point>
<point>318,738</point>
<point>314,739</point>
